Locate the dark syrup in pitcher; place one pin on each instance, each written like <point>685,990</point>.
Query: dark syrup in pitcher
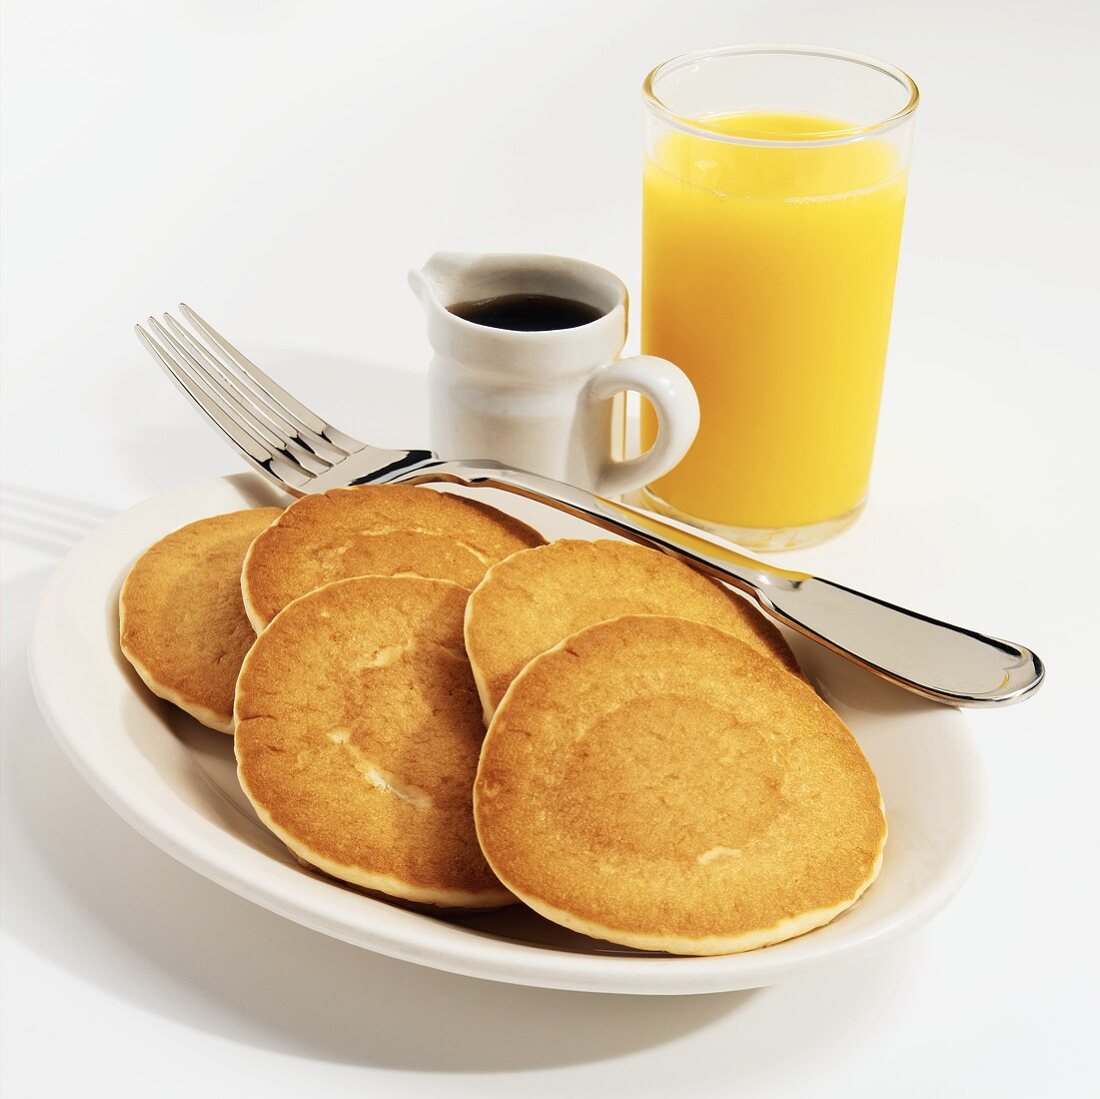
<point>527,312</point>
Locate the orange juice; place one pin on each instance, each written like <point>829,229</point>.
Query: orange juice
<point>768,277</point>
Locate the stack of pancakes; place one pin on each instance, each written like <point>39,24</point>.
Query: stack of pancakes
<point>429,702</point>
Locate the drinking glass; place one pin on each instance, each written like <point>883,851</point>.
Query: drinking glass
<point>773,192</point>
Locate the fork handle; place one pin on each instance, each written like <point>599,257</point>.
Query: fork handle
<point>945,663</point>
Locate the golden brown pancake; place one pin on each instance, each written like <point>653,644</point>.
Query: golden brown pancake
<point>181,619</point>
<point>657,783</point>
<point>358,730</point>
<point>530,601</point>
<point>375,530</point>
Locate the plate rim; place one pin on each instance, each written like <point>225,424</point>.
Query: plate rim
<point>486,956</point>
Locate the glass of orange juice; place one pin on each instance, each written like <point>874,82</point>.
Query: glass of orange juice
<point>773,193</point>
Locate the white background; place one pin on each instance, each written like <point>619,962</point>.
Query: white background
<point>280,165</point>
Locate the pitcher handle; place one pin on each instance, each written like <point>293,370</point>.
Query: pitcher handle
<point>670,392</point>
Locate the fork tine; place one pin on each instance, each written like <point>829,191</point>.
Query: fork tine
<point>240,413</point>
<point>252,396</point>
<point>273,392</point>
<point>249,445</point>
<point>213,373</point>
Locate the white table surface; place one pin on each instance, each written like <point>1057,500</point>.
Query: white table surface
<point>281,165</point>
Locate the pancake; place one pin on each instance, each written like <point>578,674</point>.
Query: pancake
<point>358,730</point>
<point>656,783</point>
<point>375,530</point>
<point>182,623</point>
<point>529,602</point>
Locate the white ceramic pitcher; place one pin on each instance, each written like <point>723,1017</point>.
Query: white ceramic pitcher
<point>542,401</point>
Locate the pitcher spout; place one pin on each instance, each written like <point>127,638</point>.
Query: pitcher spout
<point>443,280</point>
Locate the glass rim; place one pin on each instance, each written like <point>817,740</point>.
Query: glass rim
<point>834,137</point>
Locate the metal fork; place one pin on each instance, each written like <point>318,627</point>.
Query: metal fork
<point>301,453</point>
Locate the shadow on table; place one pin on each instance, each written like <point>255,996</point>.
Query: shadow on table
<point>46,521</point>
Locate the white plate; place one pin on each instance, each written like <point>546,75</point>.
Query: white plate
<point>175,782</point>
